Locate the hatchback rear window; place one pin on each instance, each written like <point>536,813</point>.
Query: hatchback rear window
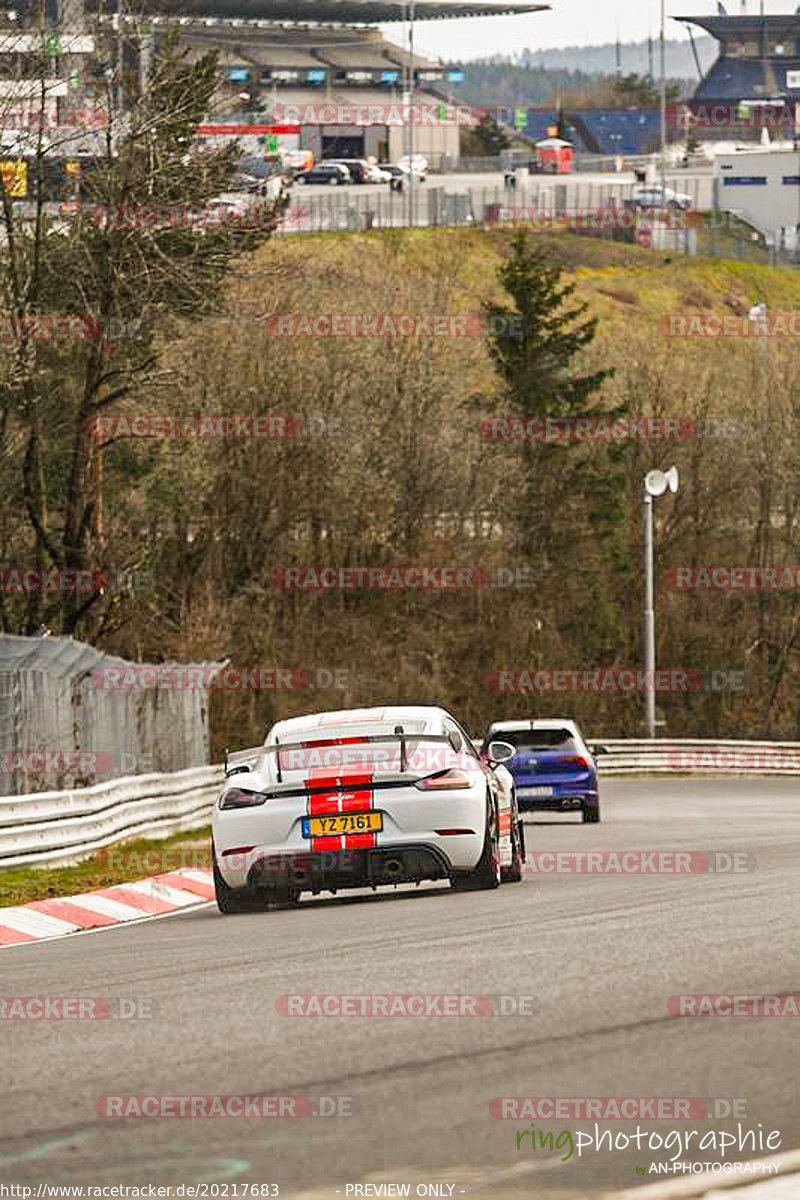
<point>538,739</point>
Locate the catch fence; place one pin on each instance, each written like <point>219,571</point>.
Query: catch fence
<point>59,729</point>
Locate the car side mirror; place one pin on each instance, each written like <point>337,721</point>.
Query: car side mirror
<point>500,752</point>
<point>599,750</point>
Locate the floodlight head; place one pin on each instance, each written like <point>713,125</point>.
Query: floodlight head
<point>657,482</point>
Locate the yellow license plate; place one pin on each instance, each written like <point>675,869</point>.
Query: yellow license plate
<point>338,823</point>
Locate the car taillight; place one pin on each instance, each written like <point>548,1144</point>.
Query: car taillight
<point>444,780</point>
<point>239,798</point>
<point>571,760</point>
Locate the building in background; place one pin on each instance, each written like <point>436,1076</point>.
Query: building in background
<point>754,84</point>
<point>326,59</point>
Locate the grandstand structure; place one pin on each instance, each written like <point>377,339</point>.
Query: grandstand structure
<point>606,131</point>
<point>759,57</point>
<point>753,84</point>
<point>757,71</point>
<point>323,59</point>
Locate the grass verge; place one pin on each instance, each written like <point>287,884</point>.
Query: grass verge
<point>111,865</point>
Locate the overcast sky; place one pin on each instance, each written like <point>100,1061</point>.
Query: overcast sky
<point>570,23</point>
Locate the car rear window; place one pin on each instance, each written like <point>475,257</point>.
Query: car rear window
<point>537,739</point>
<point>352,752</point>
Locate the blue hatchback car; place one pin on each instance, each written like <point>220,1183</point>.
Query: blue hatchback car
<point>552,767</point>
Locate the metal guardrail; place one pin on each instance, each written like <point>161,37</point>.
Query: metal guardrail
<point>703,757</point>
<point>48,828</point>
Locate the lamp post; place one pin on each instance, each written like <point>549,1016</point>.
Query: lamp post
<point>663,108</point>
<point>409,101</point>
<point>655,484</point>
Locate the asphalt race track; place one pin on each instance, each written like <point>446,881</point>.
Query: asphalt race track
<point>601,954</point>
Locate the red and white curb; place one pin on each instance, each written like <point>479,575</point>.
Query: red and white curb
<point>108,906</point>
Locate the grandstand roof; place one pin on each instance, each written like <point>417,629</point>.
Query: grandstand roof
<point>276,46</point>
<point>727,28</point>
<point>346,12</point>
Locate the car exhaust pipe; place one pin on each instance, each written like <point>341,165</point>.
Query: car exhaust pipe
<point>393,866</point>
<point>300,876</point>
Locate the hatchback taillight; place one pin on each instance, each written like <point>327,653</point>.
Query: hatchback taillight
<point>571,760</point>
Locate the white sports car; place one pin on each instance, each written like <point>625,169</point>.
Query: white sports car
<point>363,798</point>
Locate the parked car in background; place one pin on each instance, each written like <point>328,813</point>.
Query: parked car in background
<point>376,174</point>
<point>357,167</point>
<point>398,177</point>
<point>416,163</point>
<point>330,173</point>
<point>362,171</point>
<point>657,197</point>
<point>553,768</point>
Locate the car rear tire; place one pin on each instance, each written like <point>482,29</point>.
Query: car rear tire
<point>487,873</point>
<point>591,813</point>
<point>233,900</point>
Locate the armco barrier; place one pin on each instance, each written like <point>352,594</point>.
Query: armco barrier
<point>48,828</point>
<point>660,756</point>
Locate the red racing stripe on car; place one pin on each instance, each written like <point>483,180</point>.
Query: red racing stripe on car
<point>358,797</point>
<point>322,804</point>
<point>348,793</point>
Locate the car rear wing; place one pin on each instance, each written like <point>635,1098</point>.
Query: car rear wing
<point>399,736</point>
<point>241,760</point>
